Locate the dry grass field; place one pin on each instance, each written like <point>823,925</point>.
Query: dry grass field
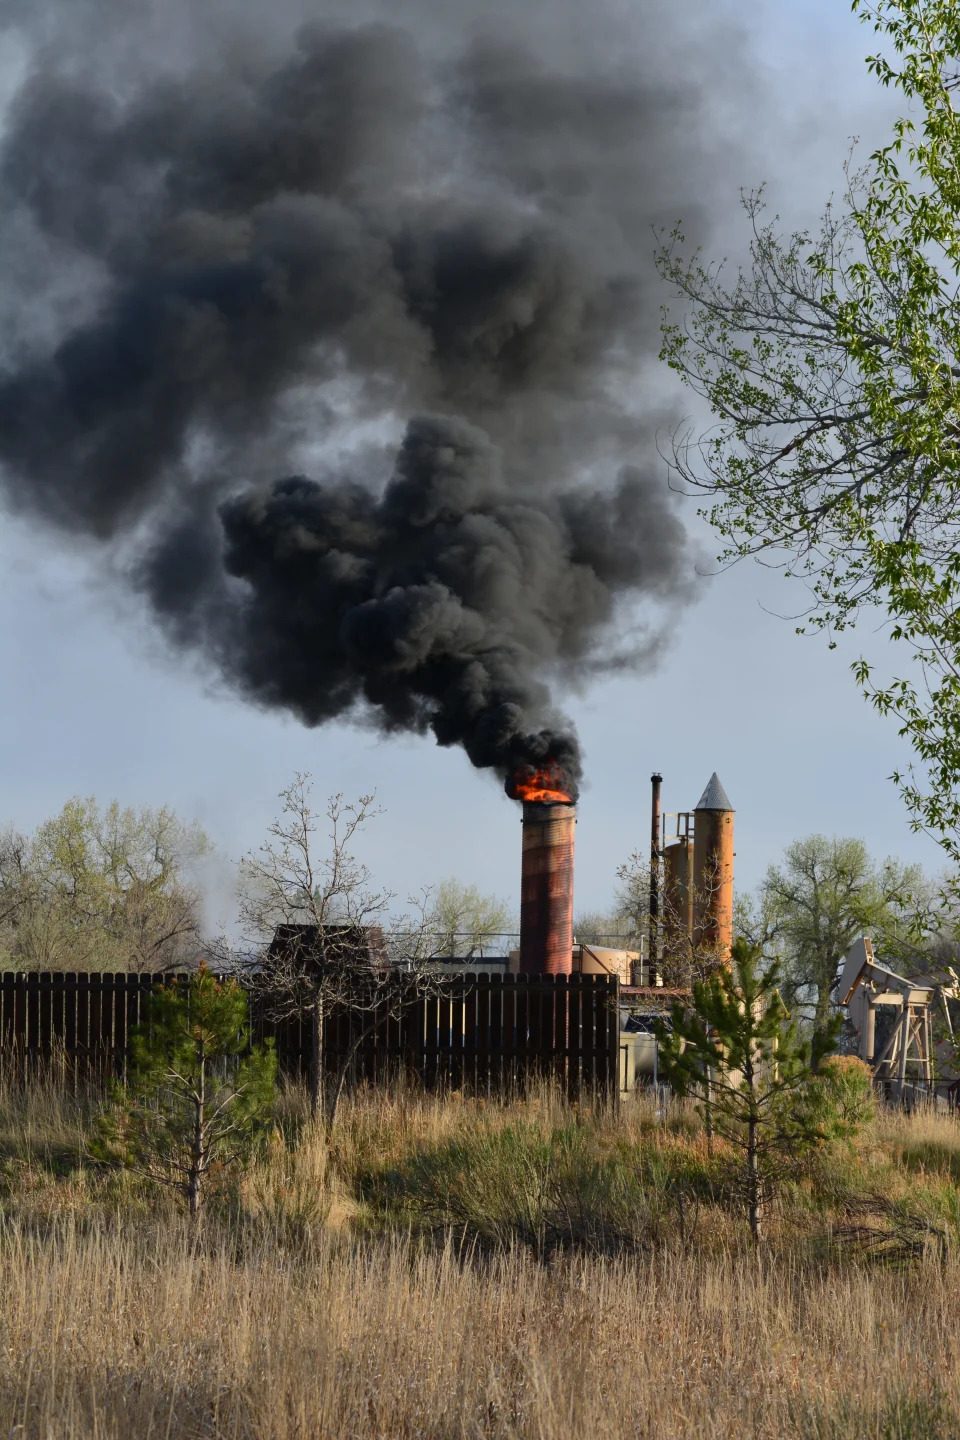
<point>452,1269</point>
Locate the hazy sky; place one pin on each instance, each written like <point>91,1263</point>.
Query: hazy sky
<point>93,702</point>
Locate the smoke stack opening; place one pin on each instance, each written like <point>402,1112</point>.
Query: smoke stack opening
<point>546,888</point>
<point>549,783</point>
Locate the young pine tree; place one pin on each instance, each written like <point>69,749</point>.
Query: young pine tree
<point>198,1099</point>
<point>734,1049</point>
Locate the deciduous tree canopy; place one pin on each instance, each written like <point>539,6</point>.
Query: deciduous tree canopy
<point>825,893</point>
<point>832,366</point>
<point>466,922</point>
<point>100,889</point>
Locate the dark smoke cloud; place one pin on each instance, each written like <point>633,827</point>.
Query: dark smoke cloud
<point>436,603</point>
<point>280,256</point>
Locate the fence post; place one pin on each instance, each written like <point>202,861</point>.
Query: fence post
<point>492,1033</point>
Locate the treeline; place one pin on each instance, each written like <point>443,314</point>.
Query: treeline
<point>101,889</point>
<point>827,892</point>
<point>806,912</point>
<point>108,888</point>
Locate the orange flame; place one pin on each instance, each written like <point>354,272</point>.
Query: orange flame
<point>543,785</point>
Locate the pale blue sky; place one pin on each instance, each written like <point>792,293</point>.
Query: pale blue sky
<point>92,704</point>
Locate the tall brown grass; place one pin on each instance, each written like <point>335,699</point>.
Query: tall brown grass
<point>332,1293</point>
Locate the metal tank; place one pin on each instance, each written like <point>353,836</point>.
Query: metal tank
<point>678,897</point>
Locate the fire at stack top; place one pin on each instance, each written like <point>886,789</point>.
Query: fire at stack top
<point>546,889</point>
<point>713,870</point>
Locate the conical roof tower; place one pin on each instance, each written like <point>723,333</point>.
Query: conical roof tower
<point>714,796</point>
<point>713,871</point>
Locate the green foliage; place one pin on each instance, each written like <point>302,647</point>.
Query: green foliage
<point>546,1189</point>
<point>198,1099</point>
<point>830,365</point>
<point>464,920</point>
<point>823,896</point>
<point>842,1093</point>
<point>931,1157</point>
<point>100,889</point>
<point>896,1415</point>
<point>737,1053</point>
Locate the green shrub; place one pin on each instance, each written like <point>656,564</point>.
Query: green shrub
<point>521,1185</point>
<point>846,1087</point>
<point>938,1156</point>
<point>896,1416</point>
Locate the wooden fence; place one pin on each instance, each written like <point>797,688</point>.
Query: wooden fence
<point>485,1033</point>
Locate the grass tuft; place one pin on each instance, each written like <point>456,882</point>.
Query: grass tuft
<point>458,1270</point>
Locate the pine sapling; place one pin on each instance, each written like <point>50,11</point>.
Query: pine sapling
<point>198,1098</point>
<point>735,1050</point>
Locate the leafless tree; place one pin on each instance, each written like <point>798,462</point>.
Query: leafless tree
<point>685,951</point>
<point>632,901</point>
<point>606,928</point>
<point>317,916</point>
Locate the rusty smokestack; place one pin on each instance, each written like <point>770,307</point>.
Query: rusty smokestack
<point>713,870</point>
<point>656,782</point>
<point>546,889</point>
<point>678,896</point>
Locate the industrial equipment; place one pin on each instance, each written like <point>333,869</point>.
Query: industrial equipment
<point>906,1062</point>
<point>546,888</point>
<point>693,919</point>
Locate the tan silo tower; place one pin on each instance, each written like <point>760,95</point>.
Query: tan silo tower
<point>678,905</point>
<point>713,871</point>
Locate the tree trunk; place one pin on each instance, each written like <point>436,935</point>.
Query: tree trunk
<point>317,1059</point>
<point>337,1090</point>
<point>821,1017</point>
<point>708,1110</point>
<point>754,1194</point>
<point>195,1173</point>
<point>334,1099</point>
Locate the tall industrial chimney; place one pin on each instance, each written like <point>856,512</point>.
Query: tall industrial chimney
<point>653,954</point>
<point>546,889</point>
<point>713,870</point>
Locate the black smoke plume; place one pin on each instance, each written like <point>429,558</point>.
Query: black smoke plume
<point>246,270</point>
<point>438,602</point>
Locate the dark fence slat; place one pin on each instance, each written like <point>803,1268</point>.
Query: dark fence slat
<point>7,991</point>
<point>20,1019</point>
<point>487,1033</point>
<point>481,1073</point>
